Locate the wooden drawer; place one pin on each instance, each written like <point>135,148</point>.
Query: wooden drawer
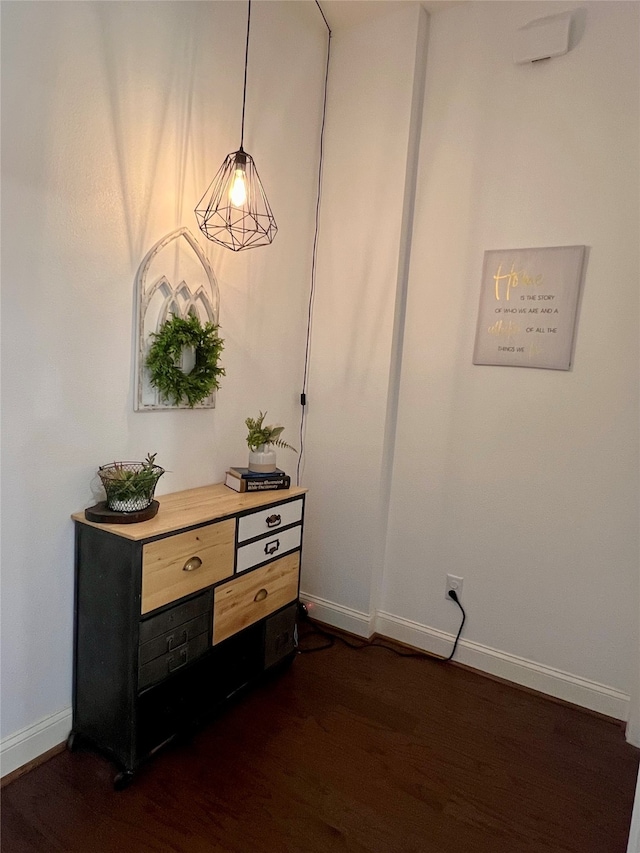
<point>253,596</point>
<point>182,564</point>
<point>267,520</point>
<point>268,547</point>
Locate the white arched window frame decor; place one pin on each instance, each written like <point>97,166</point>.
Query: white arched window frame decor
<point>175,278</point>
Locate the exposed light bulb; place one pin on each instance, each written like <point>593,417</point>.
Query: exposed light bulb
<point>238,192</point>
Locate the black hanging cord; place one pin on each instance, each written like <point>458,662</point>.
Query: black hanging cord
<point>314,254</point>
<point>331,638</point>
<point>323,17</point>
<point>246,63</point>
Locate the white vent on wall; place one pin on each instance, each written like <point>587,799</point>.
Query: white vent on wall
<point>542,39</point>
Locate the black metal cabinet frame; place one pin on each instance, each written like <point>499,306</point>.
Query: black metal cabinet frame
<point>141,680</point>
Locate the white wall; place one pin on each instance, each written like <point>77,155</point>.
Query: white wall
<point>368,155</point>
<point>524,482</point>
<point>115,117</point>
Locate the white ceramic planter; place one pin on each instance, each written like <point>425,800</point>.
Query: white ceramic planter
<point>262,460</point>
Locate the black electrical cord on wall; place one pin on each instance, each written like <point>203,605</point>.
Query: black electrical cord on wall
<point>314,255</point>
<point>331,638</point>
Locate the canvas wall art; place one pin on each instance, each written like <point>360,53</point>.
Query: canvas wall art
<point>528,307</point>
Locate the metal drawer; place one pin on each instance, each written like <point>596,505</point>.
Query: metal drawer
<point>279,635</point>
<point>178,615</point>
<point>258,552</point>
<point>173,639</point>
<point>267,520</point>
<point>161,667</point>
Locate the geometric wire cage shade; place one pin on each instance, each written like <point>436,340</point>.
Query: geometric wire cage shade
<point>234,211</point>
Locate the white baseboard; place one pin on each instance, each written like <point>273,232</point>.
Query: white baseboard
<point>29,743</point>
<point>545,679</point>
<point>334,614</point>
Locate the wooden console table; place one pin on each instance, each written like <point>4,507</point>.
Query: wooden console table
<point>175,614</point>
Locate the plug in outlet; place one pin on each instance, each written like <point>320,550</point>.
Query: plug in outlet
<point>454,583</point>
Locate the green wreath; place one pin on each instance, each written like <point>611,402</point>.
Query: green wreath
<point>163,360</point>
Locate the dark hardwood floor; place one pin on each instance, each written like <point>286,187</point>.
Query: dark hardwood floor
<point>350,751</point>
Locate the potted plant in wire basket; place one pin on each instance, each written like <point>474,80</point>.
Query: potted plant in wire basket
<point>262,440</point>
<point>130,485</point>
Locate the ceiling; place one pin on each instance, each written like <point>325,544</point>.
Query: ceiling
<point>348,13</point>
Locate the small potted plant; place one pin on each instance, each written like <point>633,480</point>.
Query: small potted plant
<point>130,485</point>
<point>261,440</point>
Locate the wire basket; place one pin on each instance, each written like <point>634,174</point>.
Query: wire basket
<point>129,485</point>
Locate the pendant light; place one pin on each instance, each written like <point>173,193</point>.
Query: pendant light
<point>234,211</point>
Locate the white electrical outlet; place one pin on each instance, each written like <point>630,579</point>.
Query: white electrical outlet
<point>454,583</point>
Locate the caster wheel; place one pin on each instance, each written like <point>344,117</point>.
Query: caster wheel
<point>122,780</point>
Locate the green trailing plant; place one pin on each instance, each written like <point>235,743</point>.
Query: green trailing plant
<point>163,360</point>
<point>130,482</point>
<point>260,434</point>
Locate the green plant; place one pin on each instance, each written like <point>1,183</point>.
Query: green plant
<point>260,434</point>
<point>130,481</point>
<point>164,355</point>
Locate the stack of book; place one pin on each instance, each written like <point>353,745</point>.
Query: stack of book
<point>244,480</point>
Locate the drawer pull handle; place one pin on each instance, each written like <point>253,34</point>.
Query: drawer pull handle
<point>274,520</point>
<point>192,564</point>
<point>176,663</point>
<point>261,595</point>
<point>271,547</point>
<point>171,645</point>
